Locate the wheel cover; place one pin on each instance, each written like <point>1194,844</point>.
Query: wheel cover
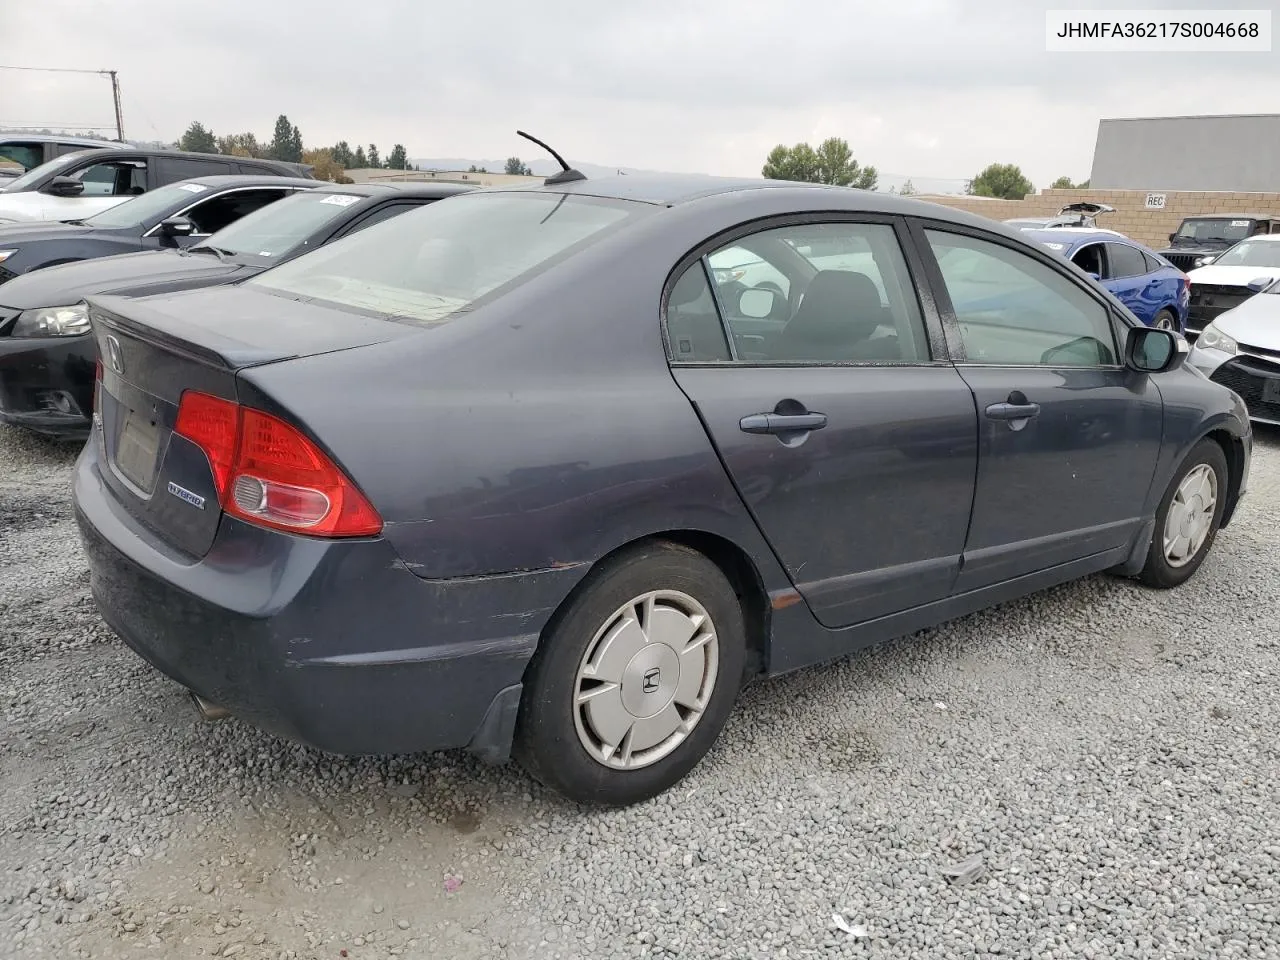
<point>1164,322</point>
<point>1190,517</point>
<point>645,679</point>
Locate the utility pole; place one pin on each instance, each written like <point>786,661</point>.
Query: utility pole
<point>115,95</point>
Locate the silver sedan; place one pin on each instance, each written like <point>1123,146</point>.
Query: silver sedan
<point>1241,350</point>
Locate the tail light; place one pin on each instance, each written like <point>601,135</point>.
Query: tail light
<point>268,473</point>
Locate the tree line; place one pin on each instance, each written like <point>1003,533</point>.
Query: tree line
<point>832,162</point>
<point>329,163</point>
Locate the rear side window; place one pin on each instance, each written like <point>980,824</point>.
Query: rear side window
<point>181,168</point>
<point>694,330</point>
<point>1126,261</point>
<point>1152,263</point>
<point>1015,310</point>
<point>431,264</point>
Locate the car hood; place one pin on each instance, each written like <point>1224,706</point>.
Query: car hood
<point>16,234</point>
<point>129,274</point>
<point>1231,276</point>
<point>1255,322</point>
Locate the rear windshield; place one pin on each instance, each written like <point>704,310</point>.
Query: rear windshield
<point>149,206</point>
<point>282,227</point>
<point>426,265</point>
<point>1214,229</point>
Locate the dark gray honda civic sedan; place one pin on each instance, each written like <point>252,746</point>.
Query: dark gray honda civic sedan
<point>552,471</point>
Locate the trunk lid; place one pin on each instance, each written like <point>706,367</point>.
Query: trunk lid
<point>153,349</point>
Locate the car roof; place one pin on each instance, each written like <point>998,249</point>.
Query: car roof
<point>133,152</point>
<point>675,189</point>
<point>403,188</point>
<point>1073,237</point>
<point>57,138</point>
<point>250,180</point>
<point>1233,215</point>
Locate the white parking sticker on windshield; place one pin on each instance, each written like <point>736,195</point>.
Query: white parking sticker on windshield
<point>192,187</point>
<point>1239,223</point>
<point>339,200</point>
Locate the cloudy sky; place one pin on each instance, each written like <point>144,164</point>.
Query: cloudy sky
<point>931,89</point>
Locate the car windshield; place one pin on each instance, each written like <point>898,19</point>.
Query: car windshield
<point>149,206</point>
<point>427,265</point>
<point>32,176</point>
<point>1214,229</point>
<point>282,227</point>
<point>1251,253</point>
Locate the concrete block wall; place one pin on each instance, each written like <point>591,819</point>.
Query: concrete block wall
<point>1132,218</point>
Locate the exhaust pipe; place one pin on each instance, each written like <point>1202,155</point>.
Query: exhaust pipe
<point>209,711</point>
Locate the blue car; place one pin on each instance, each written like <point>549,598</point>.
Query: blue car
<point>1155,290</point>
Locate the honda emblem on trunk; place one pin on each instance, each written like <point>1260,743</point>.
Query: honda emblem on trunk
<point>115,359</point>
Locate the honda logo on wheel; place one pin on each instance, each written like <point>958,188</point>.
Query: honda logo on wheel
<point>652,678</point>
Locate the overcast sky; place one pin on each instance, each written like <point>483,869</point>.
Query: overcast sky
<point>923,88</point>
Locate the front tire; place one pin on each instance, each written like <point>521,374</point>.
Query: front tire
<point>1188,518</point>
<point>634,677</point>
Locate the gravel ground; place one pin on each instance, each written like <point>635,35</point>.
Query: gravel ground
<point>1106,752</point>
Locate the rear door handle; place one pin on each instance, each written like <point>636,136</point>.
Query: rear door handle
<point>776,423</point>
<point>1012,411</point>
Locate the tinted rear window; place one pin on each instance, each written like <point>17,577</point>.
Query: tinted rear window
<point>427,265</point>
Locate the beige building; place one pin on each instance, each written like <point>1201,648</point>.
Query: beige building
<point>377,175</point>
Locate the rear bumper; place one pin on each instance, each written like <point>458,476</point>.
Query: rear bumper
<point>46,384</point>
<point>333,644</point>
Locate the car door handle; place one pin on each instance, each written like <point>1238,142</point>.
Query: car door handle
<point>782,422</point>
<point>1012,411</point>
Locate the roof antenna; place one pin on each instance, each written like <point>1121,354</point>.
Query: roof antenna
<point>567,174</point>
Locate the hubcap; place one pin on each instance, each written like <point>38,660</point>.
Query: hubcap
<point>645,679</point>
<point>1190,515</point>
<point>1163,322</point>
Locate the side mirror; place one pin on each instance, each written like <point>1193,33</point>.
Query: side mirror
<point>64,187</point>
<point>1260,283</point>
<point>1148,350</point>
<point>1171,236</point>
<point>756,303</point>
<point>177,227</point>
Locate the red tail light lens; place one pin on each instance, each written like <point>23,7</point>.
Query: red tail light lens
<point>267,472</point>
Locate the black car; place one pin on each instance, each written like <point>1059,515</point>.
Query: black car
<point>78,185</point>
<point>46,354</point>
<point>516,472</point>
<point>174,216</point>
<point>1199,239</point>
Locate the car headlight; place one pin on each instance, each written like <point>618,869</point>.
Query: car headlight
<point>53,322</point>
<point>6,254</point>
<point>1215,339</point>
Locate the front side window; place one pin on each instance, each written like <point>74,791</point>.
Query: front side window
<point>428,265</point>
<point>817,293</point>
<point>1014,310</point>
<point>112,179</point>
<point>221,211</point>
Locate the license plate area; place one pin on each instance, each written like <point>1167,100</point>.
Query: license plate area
<point>138,449</point>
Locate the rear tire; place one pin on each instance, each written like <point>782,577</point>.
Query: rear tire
<point>1165,320</point>
<point>634,678</point>
<point>1188,518</point>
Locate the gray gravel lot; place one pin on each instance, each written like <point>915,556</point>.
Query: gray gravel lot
<point>1108,751</point>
